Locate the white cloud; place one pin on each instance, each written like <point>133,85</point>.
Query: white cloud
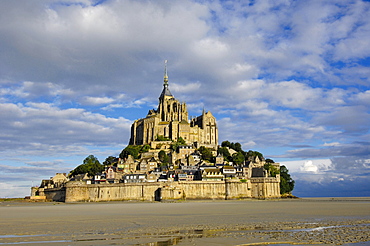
<point>362,98</point>
<point>331,144</point>
<point>42,126</point>
<point>10,190</point>
<point>188,88</point>
<point>210,48</point>
<point>309,167</point>
<point>97,100</point>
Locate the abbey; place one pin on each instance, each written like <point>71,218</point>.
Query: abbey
<point>171,121</point>
<point>183,161</point>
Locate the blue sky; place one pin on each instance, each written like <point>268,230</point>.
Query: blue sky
<point>287,78</point>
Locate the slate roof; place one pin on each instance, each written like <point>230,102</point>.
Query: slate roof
<point>165,91</point>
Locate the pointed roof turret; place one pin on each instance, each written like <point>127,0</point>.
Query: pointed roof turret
<point>165,91</point>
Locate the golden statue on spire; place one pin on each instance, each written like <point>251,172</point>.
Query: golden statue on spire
<point>165,79</point>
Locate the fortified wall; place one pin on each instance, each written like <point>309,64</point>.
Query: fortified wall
<point>75,191</point>
<point>268,187</point>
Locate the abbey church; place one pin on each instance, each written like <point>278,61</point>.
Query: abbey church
<point>186,174</point>
<point>171,121</point>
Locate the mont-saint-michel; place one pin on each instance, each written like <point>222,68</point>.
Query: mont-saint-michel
<point>169,157</point>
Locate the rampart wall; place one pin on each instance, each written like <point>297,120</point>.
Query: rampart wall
<point>265,188</point>
<point>157,191</point>
<point>78,191</point>
<point>55,194</point>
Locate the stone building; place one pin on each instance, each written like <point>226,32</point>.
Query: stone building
<point>171,121</point>
<point>187,177</point>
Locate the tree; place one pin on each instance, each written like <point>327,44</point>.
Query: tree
<point>238,158</point>
<point>224,152</point>
<point>271,169</point>
<point>225,144</point>
<point>162,138</point>
<point>132,150</point>
<point>206,153</point>
<point>175,145</point>
<point>180,140</point>
<point>145,148</point>
<point>91,165</point>
<point>163,157</point>
<point>250,155</point>
<point>237,147</point>
<point>110,161</point>
<point>286,182</point>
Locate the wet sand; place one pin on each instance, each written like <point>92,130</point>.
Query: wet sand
<point>325,221</point>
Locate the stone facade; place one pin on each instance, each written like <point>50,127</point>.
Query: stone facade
<point>77,191</point>
<point>170,120</point>
<point>157,191</point>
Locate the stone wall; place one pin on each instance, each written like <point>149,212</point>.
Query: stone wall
<point>261,188</point>
<point>203,189</point>
<point>237,190</point>
<point>55,194</point>
<point>78,191</point>
<point>265,188</point>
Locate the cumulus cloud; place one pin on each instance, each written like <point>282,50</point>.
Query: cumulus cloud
<point>42,126</point>
<point>340,176</point>
<point>309,167</point>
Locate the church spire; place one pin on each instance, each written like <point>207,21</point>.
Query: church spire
<point>166,91</point>
<point>165,78</point>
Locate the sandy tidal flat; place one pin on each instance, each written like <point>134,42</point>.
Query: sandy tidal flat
<point>336,221</point>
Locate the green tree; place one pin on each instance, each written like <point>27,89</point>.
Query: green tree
<point>145,148</point>
<point>237,147</point>
<point>286,181</point>
<point>226,144</point>
<point>91,165</point>
<point>250,155</point>
<point>180,140</point>
<point>162,138</point>
<point>132,150</point>
<point>238,158</point>
<point>110,161</point>
<point>224,152</point>
<point>271,169</point>
<point>163,157</point>
<point>206,153</point>
<point>175,145</point>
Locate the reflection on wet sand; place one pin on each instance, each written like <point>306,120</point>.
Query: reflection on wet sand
<point>279,222</point>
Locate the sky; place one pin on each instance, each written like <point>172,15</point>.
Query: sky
<point>287,78</point>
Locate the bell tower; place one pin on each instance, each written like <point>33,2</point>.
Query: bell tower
<point>169,108</point>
